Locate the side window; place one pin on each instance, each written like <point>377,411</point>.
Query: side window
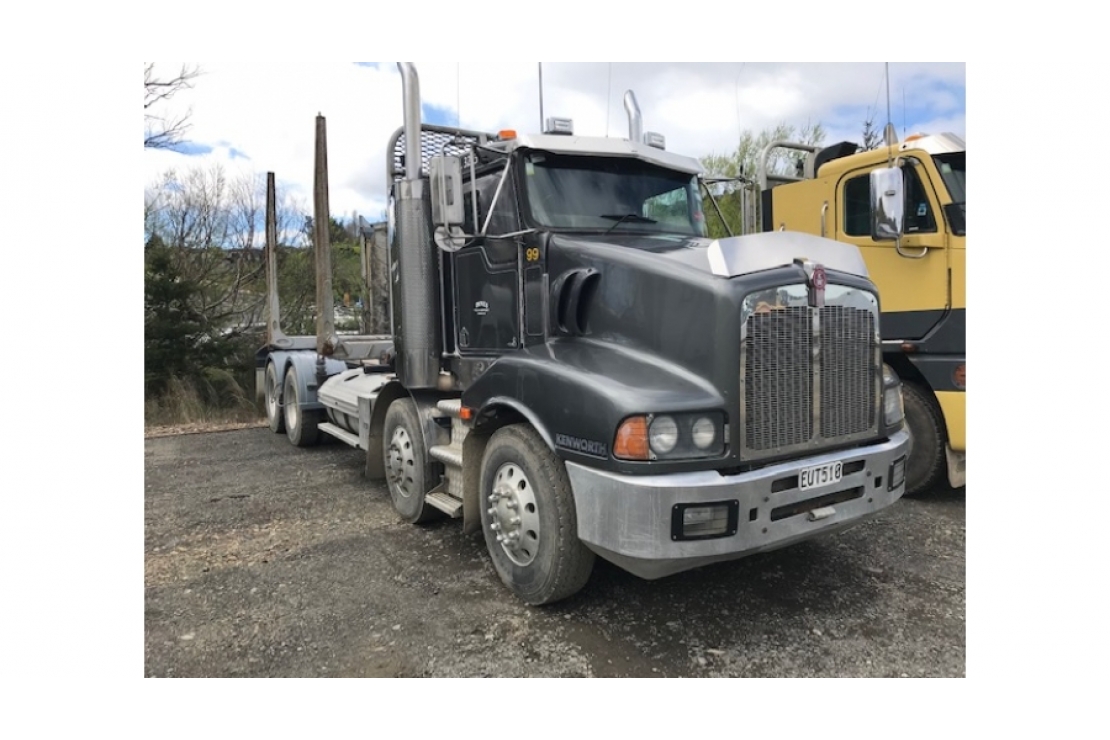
<point>857,206</point>
<point>503,221</point>
<point>468,206</point>
<point>919,214</point>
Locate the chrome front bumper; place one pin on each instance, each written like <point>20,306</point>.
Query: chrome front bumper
<point>627,519</point>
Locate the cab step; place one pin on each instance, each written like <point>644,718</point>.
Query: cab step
<point>441,499</point>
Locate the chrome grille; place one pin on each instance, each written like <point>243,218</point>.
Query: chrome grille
<point>778,381</point>
<point>811,376</point>
<point>848,402</point>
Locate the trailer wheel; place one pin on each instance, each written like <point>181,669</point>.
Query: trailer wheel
<point>926,463</point>
<point>529,520</point>
<point>274,413</point>
<point>408,470</point>
<point>300,425</point>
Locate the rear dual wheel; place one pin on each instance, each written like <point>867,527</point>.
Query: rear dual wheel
<point>301,425</point>
<point>274,413</point>
<point>408,470</point>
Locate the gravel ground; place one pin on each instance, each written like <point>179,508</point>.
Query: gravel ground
<point>266,560</point>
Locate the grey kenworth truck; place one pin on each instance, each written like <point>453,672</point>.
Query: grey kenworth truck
<point>576,370</point>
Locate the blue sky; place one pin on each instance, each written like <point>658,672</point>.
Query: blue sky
<point>258,116</point>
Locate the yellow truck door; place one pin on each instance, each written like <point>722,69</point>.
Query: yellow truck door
<point>914,291</point>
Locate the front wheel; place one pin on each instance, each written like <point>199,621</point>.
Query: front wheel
<point>926,462</point>
<point>529,519</point>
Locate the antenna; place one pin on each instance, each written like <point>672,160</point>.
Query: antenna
<point>739,127</point>
<point>541,94</point>
<point>890,136</point>
<point>458,95</point>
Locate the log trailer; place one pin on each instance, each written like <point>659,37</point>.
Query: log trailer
<point>576,371</point>
<point>920,266</point>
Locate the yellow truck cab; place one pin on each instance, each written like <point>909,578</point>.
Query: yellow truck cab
<point>918,263</point>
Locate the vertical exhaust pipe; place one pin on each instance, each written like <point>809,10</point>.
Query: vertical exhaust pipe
<point>635,121</point>
<point>410,84</point>
<point>416,330</point>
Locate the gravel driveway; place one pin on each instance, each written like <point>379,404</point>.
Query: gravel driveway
<point>267,560</point>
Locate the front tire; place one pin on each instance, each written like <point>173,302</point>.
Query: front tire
<point>927,462</point>
<point>529,520</point>
<point>300,425</point>
<point>408,471</point>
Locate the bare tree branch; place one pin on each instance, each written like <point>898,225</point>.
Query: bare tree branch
<point>165,129</point>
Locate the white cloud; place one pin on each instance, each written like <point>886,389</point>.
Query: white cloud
<point>265,109</point>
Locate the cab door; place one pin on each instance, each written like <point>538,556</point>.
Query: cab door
<point>913,290</point>
<point>487,276</point>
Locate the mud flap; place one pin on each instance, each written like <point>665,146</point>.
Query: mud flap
<point>957,467</point>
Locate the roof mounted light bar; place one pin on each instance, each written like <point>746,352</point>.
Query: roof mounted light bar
<point>559,126</point>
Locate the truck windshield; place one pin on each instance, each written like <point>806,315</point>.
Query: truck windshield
<point>953,170</point>
<point>608,194</point>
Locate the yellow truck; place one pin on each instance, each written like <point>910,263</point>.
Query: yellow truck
<point>918,262</point>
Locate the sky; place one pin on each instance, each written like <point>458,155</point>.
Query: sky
<point>258,117</point>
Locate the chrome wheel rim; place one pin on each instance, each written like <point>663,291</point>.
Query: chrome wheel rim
<point>514,516</point>
<point>401,462</point>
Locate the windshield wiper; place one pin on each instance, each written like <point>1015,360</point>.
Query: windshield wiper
<point>628,218</point>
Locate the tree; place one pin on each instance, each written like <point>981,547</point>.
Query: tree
<point>872,137</point>
<point>165,129</point>
<point>742,166</point>
<point>206,277</point>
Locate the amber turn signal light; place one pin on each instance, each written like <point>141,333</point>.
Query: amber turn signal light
<point>632,439</point>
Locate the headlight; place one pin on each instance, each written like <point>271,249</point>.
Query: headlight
<point>663,435</point>
<point>893,409</point>
<point>704,432</point>
<point>671,436</point>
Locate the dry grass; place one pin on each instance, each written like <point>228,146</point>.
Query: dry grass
<point>183,410</point>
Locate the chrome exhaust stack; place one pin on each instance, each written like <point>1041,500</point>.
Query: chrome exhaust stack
<point>416,312</point>
<point>635,120</point>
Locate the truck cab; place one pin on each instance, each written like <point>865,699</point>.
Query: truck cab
<point>921,271</point>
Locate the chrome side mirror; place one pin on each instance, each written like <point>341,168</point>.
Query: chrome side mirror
<point>887,204</point>
<point>448,213</point>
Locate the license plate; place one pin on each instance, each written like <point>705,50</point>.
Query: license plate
<point>820,475</point>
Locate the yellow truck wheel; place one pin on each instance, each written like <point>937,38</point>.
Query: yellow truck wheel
<point>926,464</point>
